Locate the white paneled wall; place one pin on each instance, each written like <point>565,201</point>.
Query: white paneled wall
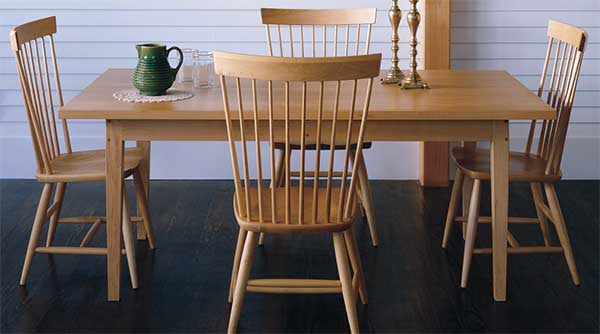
<point>95,35</point>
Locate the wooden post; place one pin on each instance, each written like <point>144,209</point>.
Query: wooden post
<point>433,170</point>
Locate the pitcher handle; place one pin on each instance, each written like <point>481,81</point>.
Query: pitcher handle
<point>176,69</point>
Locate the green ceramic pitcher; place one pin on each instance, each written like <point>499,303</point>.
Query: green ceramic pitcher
<point>153,74</point>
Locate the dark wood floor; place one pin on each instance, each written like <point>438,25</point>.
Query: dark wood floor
<point>412,283</point>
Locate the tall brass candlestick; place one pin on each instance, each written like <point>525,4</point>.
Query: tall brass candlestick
<point>413,80</point>
<point>394,75</point>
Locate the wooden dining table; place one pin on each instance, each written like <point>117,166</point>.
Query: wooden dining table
<point>468,106</point>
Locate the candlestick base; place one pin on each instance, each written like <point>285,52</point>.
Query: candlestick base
<point>413,82</point>
<point>393,76</point>
<point>414,85</point>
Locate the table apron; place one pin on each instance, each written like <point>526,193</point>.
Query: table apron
<point>389,130</point>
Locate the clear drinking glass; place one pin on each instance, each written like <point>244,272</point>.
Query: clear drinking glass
<point>204,71</point>
<point>185,73</point>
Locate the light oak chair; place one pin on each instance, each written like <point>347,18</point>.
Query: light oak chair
<point>536,167</point>
<point>344,32</point>
<point>30,43</point>
<point>295,89</point>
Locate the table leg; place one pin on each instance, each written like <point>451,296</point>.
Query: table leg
<point>145,173</point>
<point>499,176</point>
<point>114,207</point>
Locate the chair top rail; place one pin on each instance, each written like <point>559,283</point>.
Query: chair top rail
<point>296,69</point>
<point>32,30</point>
<point>567,33</point>
<point>318,16</point>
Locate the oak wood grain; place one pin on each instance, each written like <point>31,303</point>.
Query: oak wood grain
<point>455,95</point>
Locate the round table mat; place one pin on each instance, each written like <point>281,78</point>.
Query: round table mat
<point>133,95</point>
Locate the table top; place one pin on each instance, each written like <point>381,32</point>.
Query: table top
<point>454,95</point>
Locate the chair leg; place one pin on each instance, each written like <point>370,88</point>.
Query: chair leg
<point>140,193</point>
<point>59,196</point>
<point>471,232</point>
<point>91,233</point>
<point>129,241</point>
<point>367,199</point>
<point>278,182</point>
<point>363,213</point>
<point>467,190</point>
<point>236,262</point>
<point>561,230</point>
<point>356,263</point>
<point>38,222</point>
<point>458,178</point>
<point>341,258</point>
<point>536,192</point>
<point>359,201</point>
<point>279,168</point>
<point>242,281</point>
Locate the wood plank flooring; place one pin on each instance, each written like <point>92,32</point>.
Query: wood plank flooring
<point>413,284</point>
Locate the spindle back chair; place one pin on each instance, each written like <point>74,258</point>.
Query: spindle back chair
<point>291,84</point>
<point>34,50</point>
<point>560,92</point>
<point>539,163</point>
<point>35,78</point>
<point>351,29</point>
<point>295,78</point>
<point>342,32</point>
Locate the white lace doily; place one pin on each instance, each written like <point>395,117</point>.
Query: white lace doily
<point>133,95</point>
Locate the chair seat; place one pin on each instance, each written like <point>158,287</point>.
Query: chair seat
<point>312,147</point>
<point>84,166</point>
<point>522,167</point>
<point>322,224</point>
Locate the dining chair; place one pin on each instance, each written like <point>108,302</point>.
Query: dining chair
<point>537,167</point>
<point>351,29</point>
<point>33,47</point>
<point>293,90</point>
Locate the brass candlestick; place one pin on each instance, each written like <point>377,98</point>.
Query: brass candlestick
<point>394,75</point>
<point>413,80</point>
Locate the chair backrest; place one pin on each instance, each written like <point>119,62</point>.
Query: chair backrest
<point>303,96</point>
<point>28,42</point>
<point>344,24</point>
<point>563,75</point>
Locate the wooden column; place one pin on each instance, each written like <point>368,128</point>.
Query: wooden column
<point>433,170</point>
